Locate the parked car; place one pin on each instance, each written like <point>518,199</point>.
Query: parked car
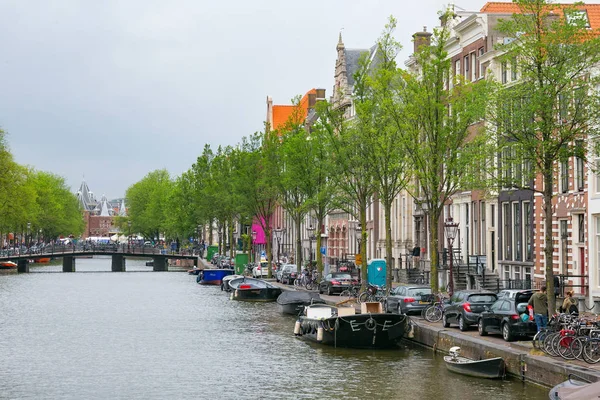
<point>465,306</point>
<point>505,317</point>
<point>407,299</point>
<point>285,272</point>
<point>261,270</point>
<point>336,282</point>
<point>511,293</point>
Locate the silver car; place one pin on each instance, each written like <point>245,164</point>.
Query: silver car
<point>407,299</point>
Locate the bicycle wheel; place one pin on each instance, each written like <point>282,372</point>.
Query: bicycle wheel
<point>309,285</point>
<point>364,297</point>
<point>564,347</point>
<point>297,282</point>
<point>577,347</point>
<point>433,314</point>
<point>538,339</point>
<point>548,344</point>
<point>591,351</point>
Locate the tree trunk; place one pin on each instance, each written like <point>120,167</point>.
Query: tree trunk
<point>363,246</point>
<point>549,245</point>
<point>388,248</point>
<point>269,248</point>
<point>433,252</point>
<point>319,255</point>
<point>298,246</point>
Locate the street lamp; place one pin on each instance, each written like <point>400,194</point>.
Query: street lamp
<point>28,235</point>
<point>311,237</point>
<point>129,234</point>
<point>451,229</point>
<point>253,240</point>
<point>278,234</point>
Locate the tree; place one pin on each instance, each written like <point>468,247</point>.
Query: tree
<point>352,173</point>
<point>554,107</point>
<point>148,200</point>
<point>374,99</point>
<point>440,136</point>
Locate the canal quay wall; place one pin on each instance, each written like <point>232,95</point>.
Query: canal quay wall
<point>520,361</point>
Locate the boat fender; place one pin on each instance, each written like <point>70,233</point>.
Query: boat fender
<point>411,332</point>
<point>297,329</point>
<point>320,335</point>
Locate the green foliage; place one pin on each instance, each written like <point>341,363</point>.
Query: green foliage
<point>553,107</point>
<point>148,201</point>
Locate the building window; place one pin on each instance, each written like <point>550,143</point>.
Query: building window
<point>517,231</point>
<point>517,273</point>
<point>597,176</point>
<point>527,231</point>
<point>581,228</point>
<point>513,69</point>
<point>506,273</point>
<point>481,68</point>
<point>578,18</point>
<point>597,219</point>
<point>467,68</point>
<point>580,178</point>
<point>473,66</point>
<point>483,228</point>
<point>506,230</point>
<point>493,214</point>
<point>564,176</point>
<point>457,68</point>
<point>504,72</point>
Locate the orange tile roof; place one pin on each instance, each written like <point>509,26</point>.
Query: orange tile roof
<point>593,10</point>
<point>283,113</point>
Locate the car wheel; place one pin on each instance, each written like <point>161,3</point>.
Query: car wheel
<point>461,324</point>
<point>329,292</point>
<point>445,322</point>
<point>481,328</point>
<point>506,333</point>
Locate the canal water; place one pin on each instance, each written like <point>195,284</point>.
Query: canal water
<point>97,334</point>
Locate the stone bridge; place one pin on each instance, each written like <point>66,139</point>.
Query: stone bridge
<point>118,253</point>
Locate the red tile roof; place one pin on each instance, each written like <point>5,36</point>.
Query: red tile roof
<point>283,113</point>
<point>593,10</point>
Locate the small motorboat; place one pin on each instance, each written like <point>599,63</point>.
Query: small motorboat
<point>213,276</point>
<point>225,283</point>
<point>575,388</point>
<point>7,265</point>
<point>251,289</point>
<point>41,260</point>
<point>342,327</point>
<point>490,368</point>
<point>293,301</point>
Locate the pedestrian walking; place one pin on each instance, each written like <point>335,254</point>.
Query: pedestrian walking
<point>539,301</point>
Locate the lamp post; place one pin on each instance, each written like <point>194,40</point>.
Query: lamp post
<point>253,252</point>
<point>128,235</point>
<point>278,234</point>
<point>28,236</point>
<point>311,237</point>
<point>451,229</point>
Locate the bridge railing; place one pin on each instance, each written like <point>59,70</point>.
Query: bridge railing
<point>110,248</point>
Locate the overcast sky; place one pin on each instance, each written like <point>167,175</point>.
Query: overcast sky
<point>111,90</point>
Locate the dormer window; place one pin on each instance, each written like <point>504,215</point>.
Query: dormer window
<point>578,17</point>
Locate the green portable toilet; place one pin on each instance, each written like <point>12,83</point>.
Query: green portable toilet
<point>211,251</point>
<point>241,260</point>
<point>376,272</point>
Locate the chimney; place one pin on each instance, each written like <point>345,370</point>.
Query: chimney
<point>421,39</point>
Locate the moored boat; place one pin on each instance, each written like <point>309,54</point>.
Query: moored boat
<point>293,301</point>
<point>575,388</point>
<point>8,265</point>
<point>251,289</point>
<point>342,327</point>
<point>490,368</point>
<point>225,284</point>
<point>213,276</point>
<point>41,260</point>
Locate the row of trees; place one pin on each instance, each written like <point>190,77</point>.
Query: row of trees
<point>34,204</point>
<point>424,130</point>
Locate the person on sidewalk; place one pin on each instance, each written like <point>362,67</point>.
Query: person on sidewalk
<point>569,305</point>
<point>539,301</point>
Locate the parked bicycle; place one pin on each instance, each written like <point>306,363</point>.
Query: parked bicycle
<point>353,292</point>
<point>435,311</point>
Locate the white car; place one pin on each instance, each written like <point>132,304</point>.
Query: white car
<point>260,271</point>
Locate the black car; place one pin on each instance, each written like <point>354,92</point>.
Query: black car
<point>407,299</point>
<point>505,316</point>
<point>336,282</point>
<point>465,306</point>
